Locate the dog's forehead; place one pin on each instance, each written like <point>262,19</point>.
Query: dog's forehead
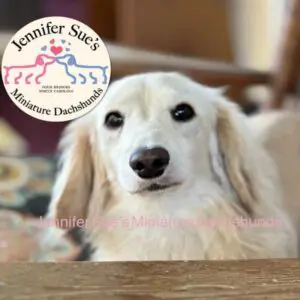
<point>155,91</point>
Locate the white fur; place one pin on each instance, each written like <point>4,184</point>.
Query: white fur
<point>222,173</point>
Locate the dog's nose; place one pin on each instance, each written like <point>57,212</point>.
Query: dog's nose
<point>150,163</point>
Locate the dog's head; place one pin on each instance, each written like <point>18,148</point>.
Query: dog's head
<point>154,135</point>
<point>68,59</point>
<point>44,59</point>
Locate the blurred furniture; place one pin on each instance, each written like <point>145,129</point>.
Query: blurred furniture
<point>286,78</point>
<point>184,31</point>
<point>189,36</point>
<point>189,28</point>
<point>192,37</point>
<point>126,61</point>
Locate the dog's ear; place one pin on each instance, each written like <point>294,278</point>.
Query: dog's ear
<point>71,60</point>
<point>81,172</point>
<point>248,170</point>
<point>40,60</point>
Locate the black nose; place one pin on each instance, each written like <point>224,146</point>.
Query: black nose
<point>149,163</point>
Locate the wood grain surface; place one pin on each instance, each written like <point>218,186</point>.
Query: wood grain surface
<point>152,280</point>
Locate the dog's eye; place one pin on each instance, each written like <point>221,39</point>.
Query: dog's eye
<point>114,120</point>
<point>182,113</point>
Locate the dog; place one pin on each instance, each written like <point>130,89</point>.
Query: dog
<point>13,74</point>
<point>85,73</point>
<point>163,150</point>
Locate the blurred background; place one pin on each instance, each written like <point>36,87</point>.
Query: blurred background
<point>239,43</point>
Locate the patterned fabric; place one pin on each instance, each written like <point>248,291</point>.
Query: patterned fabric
<point>25,188</point>
<point>25,191</point>
<point>26,239</point>
<point>25,184</point>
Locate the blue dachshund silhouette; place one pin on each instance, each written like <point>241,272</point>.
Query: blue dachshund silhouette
<point>82,72</point>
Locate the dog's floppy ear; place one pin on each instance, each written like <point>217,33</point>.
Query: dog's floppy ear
<point>39,60</point>
<point>80,168</point>
<point>248,169</point>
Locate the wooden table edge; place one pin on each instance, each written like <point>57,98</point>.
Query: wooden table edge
<point>256,279</point>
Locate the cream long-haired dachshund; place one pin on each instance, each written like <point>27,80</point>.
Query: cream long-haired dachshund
<point>163,150</point>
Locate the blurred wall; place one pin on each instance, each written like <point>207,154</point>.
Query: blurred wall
<point>256,27</point>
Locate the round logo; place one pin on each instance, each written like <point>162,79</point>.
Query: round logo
<point>56,69</point>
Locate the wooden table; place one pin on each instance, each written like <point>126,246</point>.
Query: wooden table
<point>152,280</point>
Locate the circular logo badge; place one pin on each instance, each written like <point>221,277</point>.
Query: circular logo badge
<point>56,69</point>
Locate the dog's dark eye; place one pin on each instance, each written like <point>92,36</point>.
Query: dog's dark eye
<point>182,113</point>
<point>114,120</point>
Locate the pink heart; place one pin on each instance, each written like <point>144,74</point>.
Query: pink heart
<point>56,50</point>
